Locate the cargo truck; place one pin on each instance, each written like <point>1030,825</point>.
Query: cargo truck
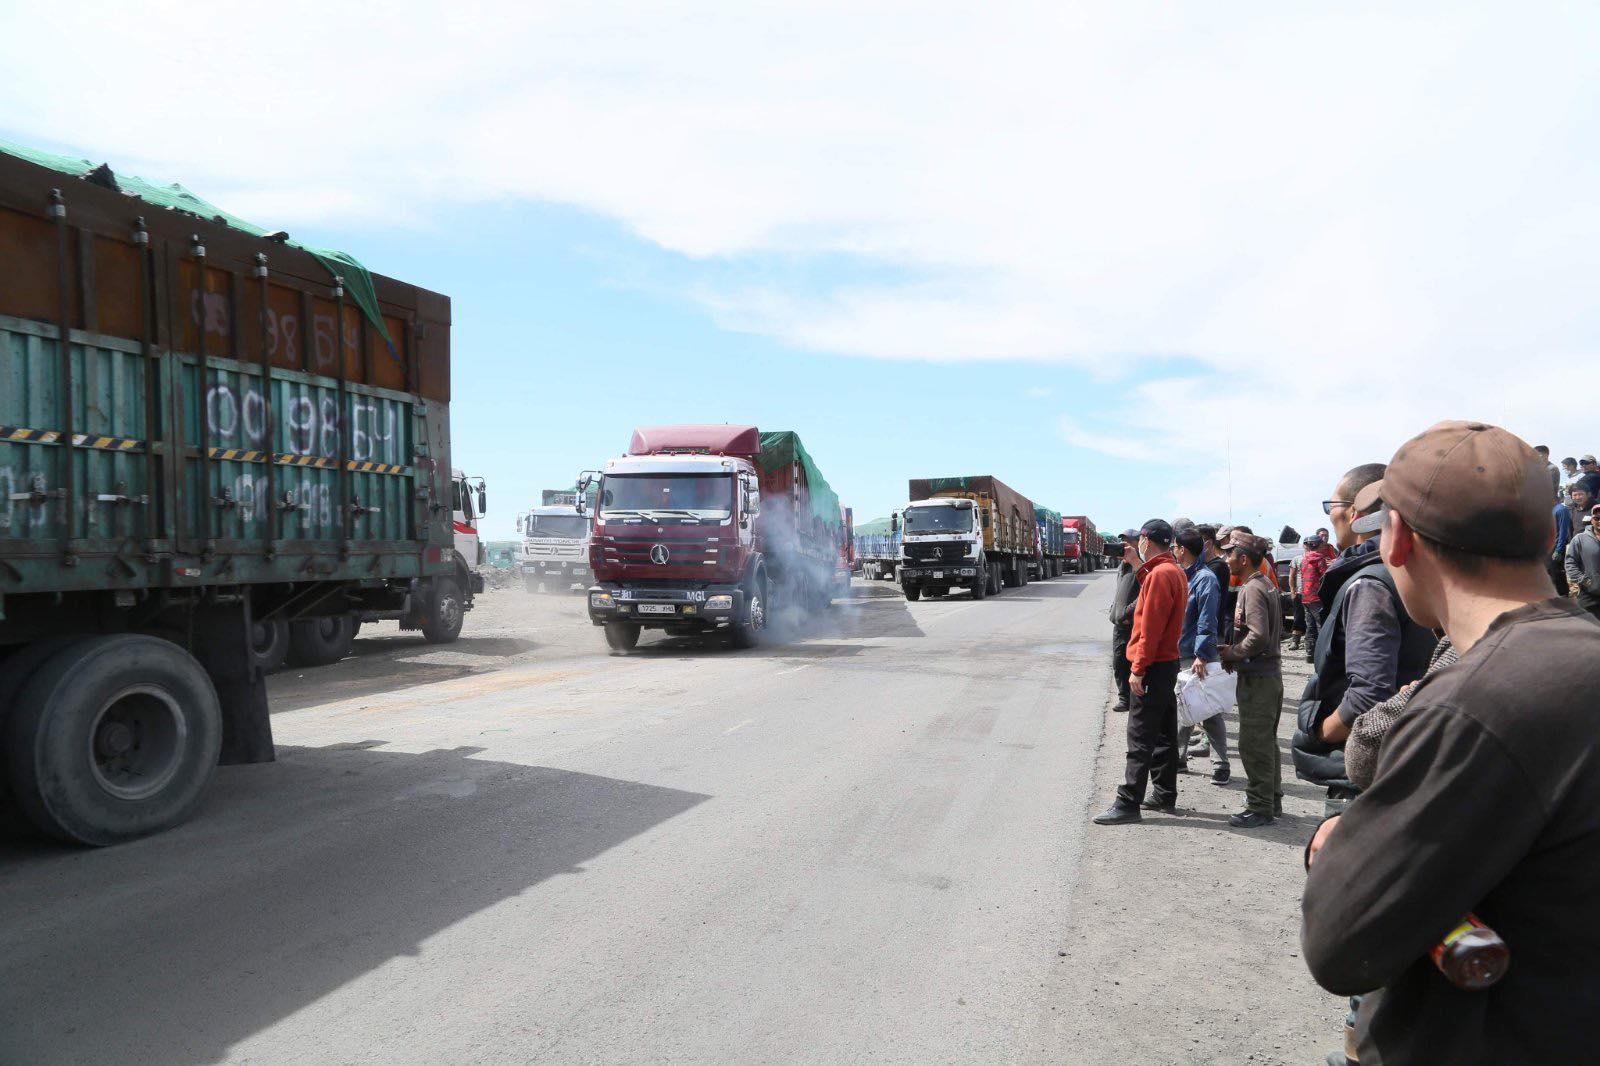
<point>710,529</point>
<point>970,533</point>
<point>878,547</point>
<point>1084,546</point>
<point>555,546</point>
<point>1050,555</point>
<point>209,437</point>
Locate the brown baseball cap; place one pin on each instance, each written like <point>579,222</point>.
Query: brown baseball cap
<point>1468,485</point>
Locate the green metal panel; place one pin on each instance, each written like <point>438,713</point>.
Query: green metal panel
<point>202,514</point>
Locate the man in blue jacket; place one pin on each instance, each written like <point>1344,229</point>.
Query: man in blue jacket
<point>1197,645</point>
<point>1557,563</point>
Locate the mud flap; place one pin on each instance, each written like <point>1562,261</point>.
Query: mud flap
<point>222,644</point>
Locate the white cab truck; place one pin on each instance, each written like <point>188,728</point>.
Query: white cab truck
<point>555,548</point>
<point>969,533</point>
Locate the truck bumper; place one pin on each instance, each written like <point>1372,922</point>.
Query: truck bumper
<point>572,569</point>
<point>961,575</point>
<point>713,607</point>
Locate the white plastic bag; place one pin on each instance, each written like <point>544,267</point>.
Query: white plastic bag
<point>1200,698</point>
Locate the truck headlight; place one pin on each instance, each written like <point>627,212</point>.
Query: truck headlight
<point>601,600</point>
<point>719,603</point>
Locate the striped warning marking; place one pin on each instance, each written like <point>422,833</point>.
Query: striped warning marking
<point>22,434</point>
<point>79,440</point>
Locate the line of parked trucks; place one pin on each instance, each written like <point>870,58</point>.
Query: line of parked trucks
<point>977,534</point>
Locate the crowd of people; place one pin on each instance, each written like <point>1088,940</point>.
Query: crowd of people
<point>1449,613</point>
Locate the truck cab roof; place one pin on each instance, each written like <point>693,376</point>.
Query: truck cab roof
<point>676,464</point>
<point>943,501</point>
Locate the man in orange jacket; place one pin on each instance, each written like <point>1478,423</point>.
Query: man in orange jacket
<point>1153,657</point>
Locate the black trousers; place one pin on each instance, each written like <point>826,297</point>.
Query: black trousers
<point>1153,739</point>
<point>1120,666</point>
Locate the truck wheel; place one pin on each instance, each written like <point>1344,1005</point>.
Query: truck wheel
<point>530,585</point>
<point>980,588</point>
<point>622,637</point>
<point>320,641</point>
<point>747,633</point>
<point>446,612</point>
<point>913,593</point>
<point>269,643</point>
<point>112,738</point>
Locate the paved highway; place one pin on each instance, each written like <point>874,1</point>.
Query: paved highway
<point>860,844</point>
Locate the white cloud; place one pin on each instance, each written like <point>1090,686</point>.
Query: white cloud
<point>1362,217</point>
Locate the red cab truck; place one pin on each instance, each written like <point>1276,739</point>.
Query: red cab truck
<point>1085,547</point>
<point>710,529</point>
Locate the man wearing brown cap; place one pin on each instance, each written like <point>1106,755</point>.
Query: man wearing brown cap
<point>1486,795</point>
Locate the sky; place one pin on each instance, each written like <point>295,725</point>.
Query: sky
<point>1136,260</point>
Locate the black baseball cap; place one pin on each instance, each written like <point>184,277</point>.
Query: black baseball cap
<point>1158,530</point>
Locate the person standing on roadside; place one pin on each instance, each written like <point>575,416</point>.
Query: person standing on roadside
<point>1583,565</point>
<point>1153,657</point>
<point>1219,569</point>
<point>1197,647</point>
<point>1373,648</point>
<point>1485,800</point>
<point>1589,477</point>
<point>1122,607</point>
<point>1578,503</point>
<point>1255,656</point>
<point>1557,562</point>
<point>1553,469</point>
<point>1319,555</point>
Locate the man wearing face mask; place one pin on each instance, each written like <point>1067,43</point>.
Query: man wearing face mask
<point>1153,659</point>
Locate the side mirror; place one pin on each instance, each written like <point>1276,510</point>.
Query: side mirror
<point>483,500</point>
<point>985,519</point>
<point>581,496</point>
<point>894,523</point>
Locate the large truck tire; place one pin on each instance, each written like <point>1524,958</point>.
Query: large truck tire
<point>913,593</point>
<point>980,587</point>
<point>622,637</point>
<point>446,612</point>
<point>269,643</point>
<point>112,738</point>
<point>321,641</point>
<point>752,623</point>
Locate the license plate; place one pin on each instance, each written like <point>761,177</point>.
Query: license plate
<point>937,573</point>
<point>657,608</point>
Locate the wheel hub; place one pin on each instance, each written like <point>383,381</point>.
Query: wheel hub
<point>137,742</point>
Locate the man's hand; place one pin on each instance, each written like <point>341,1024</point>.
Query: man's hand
<point>1333,730</point>
<point>1200,669</point>
<point>1321,838</point>
<point>1136,684</point>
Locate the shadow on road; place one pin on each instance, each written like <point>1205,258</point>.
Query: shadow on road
<point>389,664</point>
<point>296,878</point>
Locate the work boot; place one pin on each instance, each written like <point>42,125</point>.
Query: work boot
<point>1121,706</point>
<point>1296,645</point>
<point>1118,816</point>
<point>1199,749</point>
<point>1160,808</point>
<point>1250,820</point>
<point>1221,775</point>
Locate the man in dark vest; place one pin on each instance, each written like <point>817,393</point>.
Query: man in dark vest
<point>1368,647</point>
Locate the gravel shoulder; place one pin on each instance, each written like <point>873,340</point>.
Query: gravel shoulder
<point>1183,943</point>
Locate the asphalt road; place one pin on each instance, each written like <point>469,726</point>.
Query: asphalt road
<point>860,844</point>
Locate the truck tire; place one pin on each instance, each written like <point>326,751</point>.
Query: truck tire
<point>446,611</point>
<point>112,738</point>
<point>269,643</point>
<point>752,624</point>
<point>622,637</point>
<point>321,641</point>
<point>913,593</point>
<point>980,587</point>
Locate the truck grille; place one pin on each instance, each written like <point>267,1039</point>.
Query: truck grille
<point>678,552</point>
<point>937,551</point>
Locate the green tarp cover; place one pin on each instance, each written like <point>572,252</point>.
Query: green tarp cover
<point>944,484</point>
<point>783,446</point>
<point>1044,514</point>
<point>357,281</point>
<point>873,528</point>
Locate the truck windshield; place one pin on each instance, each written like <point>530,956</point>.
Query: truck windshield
<point>1071,536</point>
<point>694,495</point>
<point>938,519</point>
<point>564,526</point>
